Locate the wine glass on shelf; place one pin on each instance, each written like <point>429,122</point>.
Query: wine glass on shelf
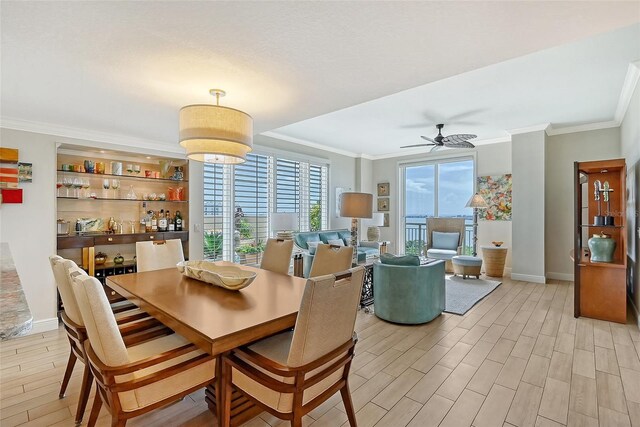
<point>68,183</point>
<point>105,185</point>
<point>130,169</point>
<point>136,169</point>
<point>77,184</point>
<point>115,184</point>
<point>59,183</point>
<point>85,186</point>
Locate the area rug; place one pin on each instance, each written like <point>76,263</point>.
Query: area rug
<point>462,294</point>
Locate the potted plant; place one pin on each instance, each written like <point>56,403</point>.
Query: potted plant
<point>250,253</point>
<point>213,244</point>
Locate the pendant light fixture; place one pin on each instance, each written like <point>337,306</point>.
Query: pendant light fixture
<point>216,134</point>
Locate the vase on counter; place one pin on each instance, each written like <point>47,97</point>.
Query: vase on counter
<point>602,247</point>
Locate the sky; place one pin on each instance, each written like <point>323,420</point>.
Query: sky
<point>455,182</point>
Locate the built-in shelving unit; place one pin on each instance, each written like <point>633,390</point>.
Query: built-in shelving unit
<point>97,202</point>
<point>600,287</point>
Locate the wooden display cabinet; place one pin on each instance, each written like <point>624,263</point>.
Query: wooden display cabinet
<point>600,287</point>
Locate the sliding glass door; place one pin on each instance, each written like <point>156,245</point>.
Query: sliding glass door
<point>438,188</point>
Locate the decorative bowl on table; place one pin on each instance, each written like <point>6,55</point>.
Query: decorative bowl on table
<point>228,277</point>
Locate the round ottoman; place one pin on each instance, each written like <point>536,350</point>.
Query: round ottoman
<point>466,266</point>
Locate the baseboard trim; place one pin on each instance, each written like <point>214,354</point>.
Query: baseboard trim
<point>44,325</point>
<point>528,278</point>
<point>635,309</point>
<point>560,276</point>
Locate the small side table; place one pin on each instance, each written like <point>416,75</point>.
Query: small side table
<point>494,258</point>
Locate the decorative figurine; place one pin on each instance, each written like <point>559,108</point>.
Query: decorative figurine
<point>598,219</point>
<point>609,219</point>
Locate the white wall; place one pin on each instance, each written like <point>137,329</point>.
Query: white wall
<point>30,227</point>
<point>493,159</point>
<point>561,152</point>
<point>528,165</point>
<point>630,147</point>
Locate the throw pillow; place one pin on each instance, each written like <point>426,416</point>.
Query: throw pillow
<point>391,259</point>
<point>345,236</point>
<point>331,235</point>
<point>447,241</point>
<point>336,242</point>
<point>313,246</point>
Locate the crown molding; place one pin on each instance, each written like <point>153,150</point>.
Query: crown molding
<point>312,144</point>
<point>91,138</point>
<point>583,127</point>
<point>628,87</point>
<point>528,129</point>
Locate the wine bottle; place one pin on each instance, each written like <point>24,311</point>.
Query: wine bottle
<point>178,221</point>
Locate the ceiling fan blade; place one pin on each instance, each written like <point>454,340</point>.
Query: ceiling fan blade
<point>428,139</point>
<point>435,148</point>
<point>417,145</point>
<point>463,114</point>
<point>458,144</point>
<point>459,137</point>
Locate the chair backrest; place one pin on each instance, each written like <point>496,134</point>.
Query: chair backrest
<point>99,320</point>
<point>445,225</point>
<point>156,255</point>
<point>331,259</point>
<point>327,316</point>
<point>61,267</point>
<point>277,256</point>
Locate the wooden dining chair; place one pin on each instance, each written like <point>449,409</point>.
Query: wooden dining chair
<point>158,255</point>
<point>134,324</point>
<point>135,380</point>
<point>277,256</point>
<point>331,259</point>
<point>291,373</point>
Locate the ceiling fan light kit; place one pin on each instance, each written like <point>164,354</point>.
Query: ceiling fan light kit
<point>451,141</point>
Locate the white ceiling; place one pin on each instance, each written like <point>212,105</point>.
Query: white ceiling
<point>125,68</point>
<point>565,86</point>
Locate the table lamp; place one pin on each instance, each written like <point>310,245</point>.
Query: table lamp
<point>284,224</point>
<point>373,226</point>
<point>476,202</point>
<point>355,206</point>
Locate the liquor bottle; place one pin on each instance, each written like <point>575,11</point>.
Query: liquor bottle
<point>147,222</point>
<point>178,221</point>
<point>154,222</point>
<point>143,217</point>
<point>171,225</point>
<point>162,221</point>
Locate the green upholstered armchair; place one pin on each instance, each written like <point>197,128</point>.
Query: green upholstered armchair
<point>408,294</point>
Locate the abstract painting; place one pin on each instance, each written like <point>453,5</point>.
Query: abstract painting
<point>496,191</point>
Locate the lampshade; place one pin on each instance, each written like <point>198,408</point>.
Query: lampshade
<point>284,221</point>
<point>356,205</point>
<point>216,134</point>
<point>377,220</point>
<point>477,201</point>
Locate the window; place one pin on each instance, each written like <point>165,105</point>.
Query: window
<point>439,188</point>
<point>239,200</point>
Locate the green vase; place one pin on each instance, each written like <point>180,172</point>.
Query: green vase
<point>602,248</point>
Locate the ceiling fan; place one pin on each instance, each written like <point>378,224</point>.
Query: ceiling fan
<point>452,141</point>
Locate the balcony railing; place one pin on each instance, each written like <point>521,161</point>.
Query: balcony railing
<point>415,237</point>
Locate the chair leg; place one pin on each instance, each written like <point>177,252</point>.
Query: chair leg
<point>67,373</point>
<point>85,390</point>
<point>296,421</point>
<point>118,423</point>
<point>348,404</point>
<point>95,409</point>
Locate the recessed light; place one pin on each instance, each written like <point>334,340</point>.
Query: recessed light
<point>148,157</point>
<point>102,151</point>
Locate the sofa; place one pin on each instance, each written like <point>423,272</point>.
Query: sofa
<point>409,294</point>
<point>302,240</point>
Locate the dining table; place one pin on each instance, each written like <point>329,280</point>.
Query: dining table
<point>216,319</point>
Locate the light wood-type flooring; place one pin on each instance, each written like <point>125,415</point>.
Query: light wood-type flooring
<point>519,358</point>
